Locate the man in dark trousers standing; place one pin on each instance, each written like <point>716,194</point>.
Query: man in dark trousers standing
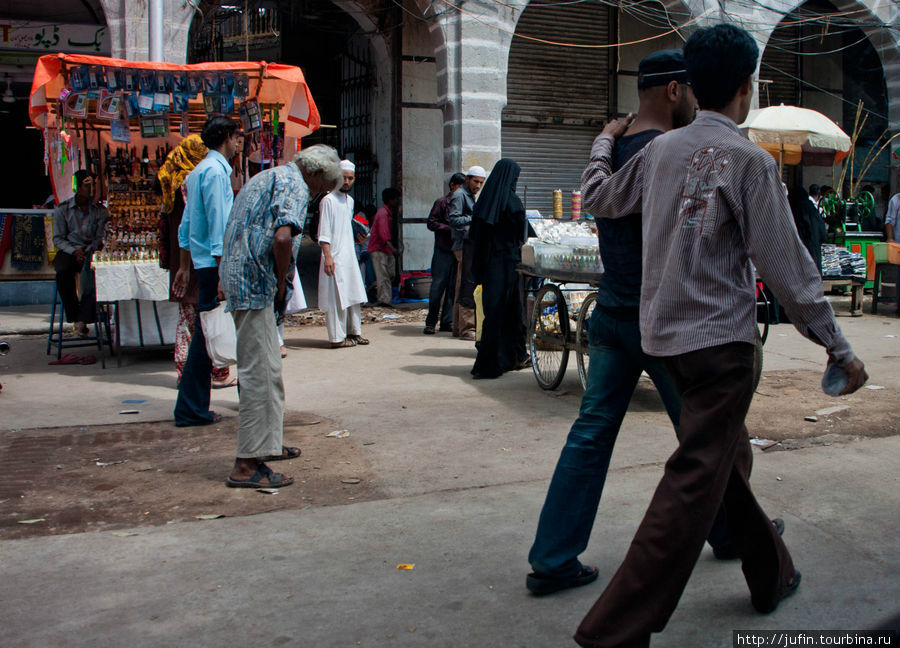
<point>443,262</point>
<point>711,201</point>
<point>200,237</point>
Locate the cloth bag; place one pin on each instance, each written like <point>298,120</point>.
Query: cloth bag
<point>221,338</point>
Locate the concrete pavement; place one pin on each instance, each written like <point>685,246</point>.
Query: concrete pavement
<point>465,465</point>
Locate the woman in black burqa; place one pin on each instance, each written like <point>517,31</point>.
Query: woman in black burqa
<point>499,230</point>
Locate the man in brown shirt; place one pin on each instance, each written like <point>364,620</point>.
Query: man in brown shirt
<point>711,201</point>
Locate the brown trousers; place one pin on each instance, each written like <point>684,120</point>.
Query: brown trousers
<point>463,317</point>
<point>711,465</point>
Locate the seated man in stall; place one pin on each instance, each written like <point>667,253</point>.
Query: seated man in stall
<point>78,225</point>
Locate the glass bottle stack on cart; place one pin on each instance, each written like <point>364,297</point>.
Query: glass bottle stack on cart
<point>132,231</point>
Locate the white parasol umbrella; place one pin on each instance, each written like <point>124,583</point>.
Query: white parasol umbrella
<point>792,134</point>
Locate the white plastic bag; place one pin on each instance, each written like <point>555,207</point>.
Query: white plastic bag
<point>221,339</point>
<point>297,302</point>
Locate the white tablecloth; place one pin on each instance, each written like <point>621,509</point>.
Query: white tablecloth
<point>123,281</point>
<point>135,286</point>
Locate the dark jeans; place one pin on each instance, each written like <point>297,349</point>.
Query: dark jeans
<point>711,466</point>
<point>502,332</point>
<point>192,405</point>
<point>77,310</point>
<point>443,284</point>
<point>616,362</point>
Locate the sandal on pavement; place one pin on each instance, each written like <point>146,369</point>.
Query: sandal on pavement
<point>222,384</point>
<point>273,479</point>
<point>342,345</point>
<point>540,585</point>
<point>286,453</point>
<point>358,339</point>
<point>429,330</point>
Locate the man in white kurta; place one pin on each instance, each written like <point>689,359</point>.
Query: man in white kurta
<point>341,289</point>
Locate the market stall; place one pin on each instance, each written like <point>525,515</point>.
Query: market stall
<point>120,119</point>
<point>561,265</point>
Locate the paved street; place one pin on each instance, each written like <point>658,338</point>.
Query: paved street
<point>463,466</point>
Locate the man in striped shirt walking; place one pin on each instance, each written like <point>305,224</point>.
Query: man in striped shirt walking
<point>711,201</point>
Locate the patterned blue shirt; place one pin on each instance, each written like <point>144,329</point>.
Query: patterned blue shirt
<point>271,199</point>
<point>209,200</point>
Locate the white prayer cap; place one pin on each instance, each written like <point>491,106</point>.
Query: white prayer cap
<point>347,165</point>
<point>477,172</point>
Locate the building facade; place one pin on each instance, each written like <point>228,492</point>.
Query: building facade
<point>415,90</point>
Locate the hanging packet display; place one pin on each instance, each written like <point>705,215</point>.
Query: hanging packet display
<point>211,103</point>
<point>76,105</point>
<point>164,82</point>
<point>130,100</point>
<point>109,105</point>
<point>195,83</point>
<point>226,82</point>
<point>226,104</point>
<point>211,83</point>
<point>129,80</point>
<point>148,82</point>
<point>119,130</point>
<point>161,102</point>
<point>94,75</point>
<point>113,79</point>
<point>145,102</point>
<point>154,126</point>
<point>78,79</point>
<point>251,118</point>
<point>241,85</point>
<point>180,102</point>
<point>180,82</point>
<point>185,126</point>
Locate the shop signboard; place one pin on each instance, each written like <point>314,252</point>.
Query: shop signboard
<point>41,36</point>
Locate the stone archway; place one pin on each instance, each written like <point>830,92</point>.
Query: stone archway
<point>886,45</point>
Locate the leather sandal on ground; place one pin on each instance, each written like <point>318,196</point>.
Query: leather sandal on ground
<point>273,479</point>
<point>429,330</point>
<point>286,453</point>
<point>541,585</point>
<point>358,339</point>
<point>343,345</point>
<point>222,384</point>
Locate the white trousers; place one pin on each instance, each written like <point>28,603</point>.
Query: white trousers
<point>342,322</point>
<point>261,394</point>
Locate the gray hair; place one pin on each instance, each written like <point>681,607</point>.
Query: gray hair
<point>323,159</point>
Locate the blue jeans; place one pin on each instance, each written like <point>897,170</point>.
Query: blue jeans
<point>192,404</point>
<point>616,362</point>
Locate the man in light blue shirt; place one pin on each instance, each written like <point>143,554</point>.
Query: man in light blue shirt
<point>200,237</point>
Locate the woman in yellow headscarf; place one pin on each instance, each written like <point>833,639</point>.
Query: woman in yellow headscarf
<point>172,174</point>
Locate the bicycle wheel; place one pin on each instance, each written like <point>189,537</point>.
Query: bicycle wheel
<point>582,355</point>
<point>547,336</point>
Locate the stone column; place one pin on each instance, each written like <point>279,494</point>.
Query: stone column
<point>471,72</point>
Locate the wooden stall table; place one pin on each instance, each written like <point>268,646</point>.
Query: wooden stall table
<point>139,292</point>
<point>856,285</point>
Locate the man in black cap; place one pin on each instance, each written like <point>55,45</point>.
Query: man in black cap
<point>616,358</point>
